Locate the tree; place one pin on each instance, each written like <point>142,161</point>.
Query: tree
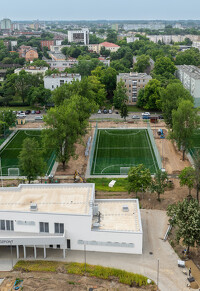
<point>184,121</point>
<point>39,95</point>
<point>188,57</point>
<point>31,162</point>
<point>139,178</point>
<point>104,52</point>
<point>197,174</point>
<point>171,96</point>
<point>163,65</point>
<point>7,119</point>
<point>111,36</point>
<point>159,183</point>
<point>124,111</point>
<point>185,216</point>
<point>120,95</point>
<point>149,97</point>
<point>143,62</point>
<point>187,178</point>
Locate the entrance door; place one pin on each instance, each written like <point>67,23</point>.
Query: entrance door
<point>68,244</point>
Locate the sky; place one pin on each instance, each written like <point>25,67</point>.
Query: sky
<point>103,9</point>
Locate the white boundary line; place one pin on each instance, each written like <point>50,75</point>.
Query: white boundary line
<point>9,142</point>
<point>96,153</point>
<point>30,134</point>
<point>110,133</point>
<point>123,148</point>
<point>150,148</point>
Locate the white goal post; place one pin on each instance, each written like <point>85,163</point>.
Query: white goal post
<point>124,170</point>
<point>13,171</point>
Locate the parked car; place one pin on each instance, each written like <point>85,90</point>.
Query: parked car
<point>38,118</point>
<point>160,117</point>
<point>99,111</point>
<point>146,114</point>
<point>117,112</point>
<point>14,112</point>
<point>33,112</point>
<point>105,111</point>
<point>37,111</point>
<point>27,112</point>
<point>110,111</point>
<point>21,114</point>
<point>135,117</point>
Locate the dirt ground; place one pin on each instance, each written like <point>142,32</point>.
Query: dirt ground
<point>33,281</point>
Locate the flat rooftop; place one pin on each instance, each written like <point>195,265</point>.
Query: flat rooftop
<point>50,198</point>
<point>113,218</point>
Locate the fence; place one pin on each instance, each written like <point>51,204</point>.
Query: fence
<point>155,149</point>
<point>93,146</point>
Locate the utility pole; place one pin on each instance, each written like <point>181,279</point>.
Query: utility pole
<point>1,174</point>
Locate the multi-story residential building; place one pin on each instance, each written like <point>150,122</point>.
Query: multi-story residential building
<point>32,70</point>
<point>28,52</point>
<point>132,39</point>
<point>108,45</point>
<point>57,56</point>
<point>133,83</point>
<point>190,78</point>
<point>6,24</point>
<point>79,36</point>
<point>105,61</point>
<point>149,25</point>
<point>56,80</point>
<point>47,43</point>
<point>68,217</point>
<point>62,65</point>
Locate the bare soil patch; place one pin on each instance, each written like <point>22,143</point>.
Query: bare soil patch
<point>33,281</point>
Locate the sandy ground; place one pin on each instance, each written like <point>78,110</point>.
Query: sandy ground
<point>33,281</point>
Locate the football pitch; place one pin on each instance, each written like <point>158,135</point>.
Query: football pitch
<point>10,152</point>
<point>116,150</point>
<point>195,144</point>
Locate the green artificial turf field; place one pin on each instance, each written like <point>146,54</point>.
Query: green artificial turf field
<point>116,150</point>
<point>195,143</point>
<point>10,152</point>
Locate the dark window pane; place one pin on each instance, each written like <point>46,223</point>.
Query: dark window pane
<point>12,225</point>
<point>2,224</point>
<point>56,227</point>
<point>61,227</point>
<point>46,227</point>
<point>8,224</point>
<point>41,227</point>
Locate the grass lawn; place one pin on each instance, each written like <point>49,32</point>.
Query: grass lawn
<point>117,150</point>
<point>196,144</point>
<point>134,108</point>
<point>101,184</point>
<point>79,269</point>
<point>10,152</point>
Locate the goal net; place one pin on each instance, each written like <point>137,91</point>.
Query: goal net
<point>13,171</point>
<point>124,170</point>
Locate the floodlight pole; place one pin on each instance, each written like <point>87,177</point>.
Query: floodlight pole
<point>1,174</point>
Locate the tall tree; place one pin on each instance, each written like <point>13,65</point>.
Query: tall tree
<point>185,120</point>
<point>149,97</point>
<point>185,216</point>
<point>31,162</point>
<point>143,62</point>
<point>7,119</point>
<point>124,111</point>
<point>139,178</point>
<point>120,95</point>
<point>187,178</point>
<point>159,183</point>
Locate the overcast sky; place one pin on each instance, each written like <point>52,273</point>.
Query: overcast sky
<point>103,9</point>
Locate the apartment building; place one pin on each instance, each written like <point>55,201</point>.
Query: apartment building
<point>47,43</point>
<point>58,56</point>
<point>149,25</point>
<point>62,65</point>
<point>32,70</point>
<point>56,80</point>
<point>68,217</point>
<point>108,46</point>
<point>133,83</point>
<point>190,78</point>
<point>28,52</point>
<point>79,36</point>
<point>6,24</point>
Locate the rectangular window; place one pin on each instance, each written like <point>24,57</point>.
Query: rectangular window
<point>59,227</point>
<point>6,225</point>
<point>68,244</point>
<point>44,227</point>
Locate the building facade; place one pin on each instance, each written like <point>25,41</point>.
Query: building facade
<point>190,78</point>
<point>62,65</point>
<point>68,217</point>
<point>47,43</point>
<point>6,24</point>
<point>56,80</point>
<point>28,52</point>
<point>79,36</point>
<point>133,83</point>
<point>32,70</point>
<point>108,46</point>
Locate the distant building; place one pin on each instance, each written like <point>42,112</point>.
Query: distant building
<point>57,56</point>
<point>28,52</point>
<point>133,83</point>
<point>108,46</point>
<point>61,65</point>
<point>47,43</point>
<point>190,78</point>
<point>56,80</point>
<point>79,36</point>
<point>105,61</point>
<point>149,25</point>
<point>132,39</point>
<point>32,70</point>
<point>6,24</point>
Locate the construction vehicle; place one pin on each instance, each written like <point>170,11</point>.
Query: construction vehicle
<point>78,178</point>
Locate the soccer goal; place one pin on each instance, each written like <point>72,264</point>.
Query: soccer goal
<point>13,171</point>
<point>124,170</point>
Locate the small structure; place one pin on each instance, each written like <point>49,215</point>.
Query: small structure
<point>154,119</point>
<point>21,120</point>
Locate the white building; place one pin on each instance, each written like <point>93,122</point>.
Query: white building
<point>132,39</point>
<point>148,25</point>
<point>32,70</point>
<point>67,216</point>
<point>62,65</point>
<point>56,80</point>
<point>6,24</point>
<point>190,78</point>
<point>79,36</point>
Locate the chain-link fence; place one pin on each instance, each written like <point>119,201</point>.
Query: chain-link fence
<point>155,149</point>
